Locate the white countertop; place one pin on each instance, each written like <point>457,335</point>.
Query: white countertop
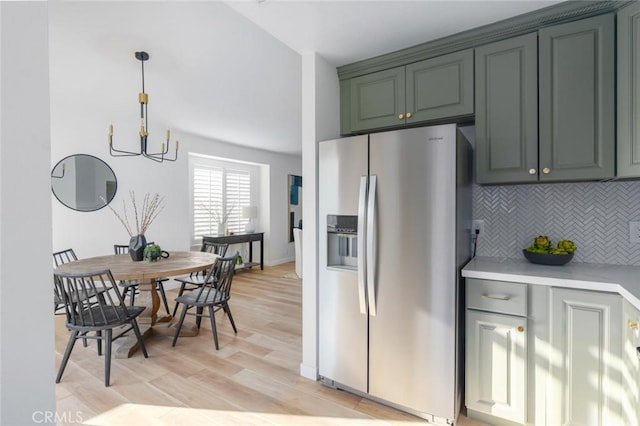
<point>621,279</point>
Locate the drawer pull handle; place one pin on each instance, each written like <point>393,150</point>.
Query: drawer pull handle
<point>520,329</point>
<point>634,325</point>
<point>496,297</point>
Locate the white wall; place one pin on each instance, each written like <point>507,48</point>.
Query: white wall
<point>211,72</point>
<point>91,87</point>
<point>27,387</point>
<point>320,121</point>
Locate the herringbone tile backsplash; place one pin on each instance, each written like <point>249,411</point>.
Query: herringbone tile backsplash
<point>595,216</point>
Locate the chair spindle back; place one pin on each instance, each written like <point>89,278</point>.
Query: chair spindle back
<point>219,279</point>
<point>83,312</point>
<point>64,256</point>
<point>215,248</point>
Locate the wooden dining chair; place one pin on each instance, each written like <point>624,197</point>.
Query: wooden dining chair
<point>59,258</point>
<point>196,279</point>
<point>214,294</point>
<point>64,256</point>
<point>102,317</point>
<point>130,287</point>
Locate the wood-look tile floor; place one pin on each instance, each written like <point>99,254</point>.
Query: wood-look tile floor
<point>252,380</point>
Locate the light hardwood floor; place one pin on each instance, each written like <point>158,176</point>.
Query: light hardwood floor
<point>253,379</point>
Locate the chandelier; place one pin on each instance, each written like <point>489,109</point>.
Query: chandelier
<point>143,98</point>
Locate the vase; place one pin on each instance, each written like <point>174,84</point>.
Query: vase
<point>250,227</point>
<point>137,243</point>
<point>221,229</point>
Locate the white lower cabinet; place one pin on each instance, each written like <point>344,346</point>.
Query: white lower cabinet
<point>585,368</point>
<point>631,359</point>
<point>539,355</point>
<point>496,365</point>
<point>496,351</point>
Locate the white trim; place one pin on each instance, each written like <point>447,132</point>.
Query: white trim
<point>275,262</point>
<point>309,372</point>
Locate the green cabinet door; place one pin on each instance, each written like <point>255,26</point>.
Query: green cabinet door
<point>377,100</point>
<point>430,90</point>
<point>440,87</point>
<point>576,90</point>
<point>628,150</point>
<point>506,76</point>
<point>345,107</point>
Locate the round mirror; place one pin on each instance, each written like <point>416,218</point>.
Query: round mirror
<point>82,181</point>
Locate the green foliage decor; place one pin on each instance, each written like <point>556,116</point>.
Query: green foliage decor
<point>543,245</point>
<point>152,252</point>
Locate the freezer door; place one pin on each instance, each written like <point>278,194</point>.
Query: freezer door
<point>412,347</point>
<point>342,326</point>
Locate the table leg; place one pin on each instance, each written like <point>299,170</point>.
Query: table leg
<point>261,254</point>
<point>147,297</point>
<point>149,322</point>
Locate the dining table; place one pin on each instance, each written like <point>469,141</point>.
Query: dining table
<point>122,267</point>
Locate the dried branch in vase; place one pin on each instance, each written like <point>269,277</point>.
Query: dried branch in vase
<point>217,213</point>
<point>151,207</point>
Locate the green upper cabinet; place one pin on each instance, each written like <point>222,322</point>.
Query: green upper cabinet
<point>439,88</point>
<point>541,87</point>
<point>545,105</point>
<point>377,100</point>
<point>628,160</point>
<point>428,90</point>
<point>576,90</point>
<point>507,111</point>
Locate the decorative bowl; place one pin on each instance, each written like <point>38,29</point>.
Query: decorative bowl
<point>547,259</point>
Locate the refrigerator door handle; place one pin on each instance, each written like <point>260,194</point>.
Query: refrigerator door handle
<point>371,245</point>
<point>362,207</point>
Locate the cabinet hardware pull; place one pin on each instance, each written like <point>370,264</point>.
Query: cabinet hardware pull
<point>634,325</point>
<point>546,170</point>
<point>496,297</point>
<point>532,171</point>
<point>408,115</point>
<point>520,328</point>
<point>400,116</point>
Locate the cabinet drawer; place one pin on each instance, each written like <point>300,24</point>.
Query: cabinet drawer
<point>497,296</point>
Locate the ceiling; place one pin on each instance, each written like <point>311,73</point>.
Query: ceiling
<point>225,70</point>
<point>346,31</point>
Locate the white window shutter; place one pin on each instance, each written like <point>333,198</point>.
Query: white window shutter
<point>218,189</point>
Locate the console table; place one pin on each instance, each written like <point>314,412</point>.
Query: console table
<point>242,238</point>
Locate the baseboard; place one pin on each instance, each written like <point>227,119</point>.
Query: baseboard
<point>279,261</point>
<point>309,372</point>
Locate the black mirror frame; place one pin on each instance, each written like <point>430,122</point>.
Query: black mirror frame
<point>115,190</point>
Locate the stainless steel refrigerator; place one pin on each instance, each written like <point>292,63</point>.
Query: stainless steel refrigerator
<point>395,212</point>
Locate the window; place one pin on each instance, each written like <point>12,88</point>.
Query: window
<point>220,189</point>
